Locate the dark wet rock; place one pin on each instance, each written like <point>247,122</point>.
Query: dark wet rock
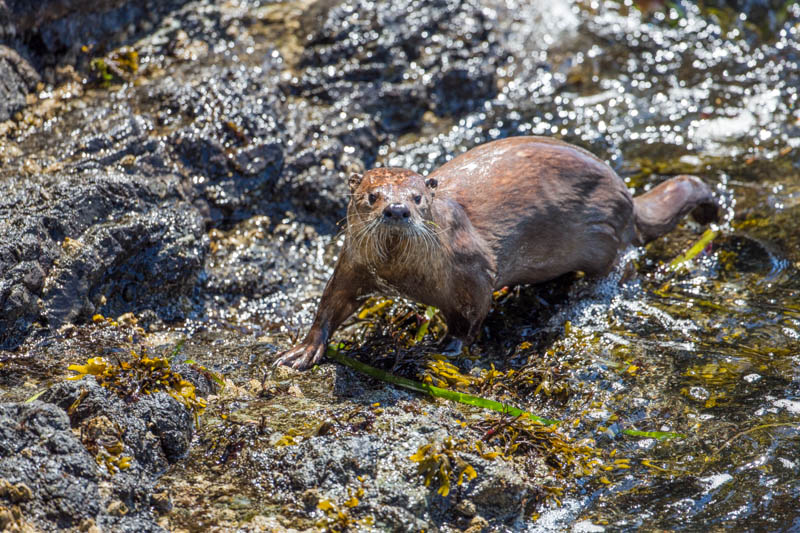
<point>58,482</point>
<point>233,147</point>
<point>247,153</point>
<point>149,320</point>
<point>328,464</point>
<point>120,231</point>
<point>253,267</point>
<point>150,260</point>
<point>53,34</point>
<point>17,79</point>
<point>397,60</point>
<point>102,242</point>
<point>56,25</point>
<point>463,89</point>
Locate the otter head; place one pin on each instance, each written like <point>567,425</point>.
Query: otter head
<point>390,213</point>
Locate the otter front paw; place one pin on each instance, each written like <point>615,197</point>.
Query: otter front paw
<point>302,356</point>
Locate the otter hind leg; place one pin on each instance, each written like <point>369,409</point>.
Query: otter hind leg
<point>600,252</point>
<point>464,318</point>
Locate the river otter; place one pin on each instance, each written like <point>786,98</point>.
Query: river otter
<point>512,211</point>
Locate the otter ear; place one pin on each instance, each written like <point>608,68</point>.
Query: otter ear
<point>431,183</point>
<point>354,181</point>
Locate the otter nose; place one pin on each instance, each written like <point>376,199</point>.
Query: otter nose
<point>396,212</point>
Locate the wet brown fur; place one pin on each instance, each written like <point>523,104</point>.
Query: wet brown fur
<point>517,210</point>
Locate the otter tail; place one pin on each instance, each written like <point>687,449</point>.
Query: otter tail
<point>659,210</point>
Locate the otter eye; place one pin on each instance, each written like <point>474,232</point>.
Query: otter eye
<point>417,199</point>
<point>372,198</point>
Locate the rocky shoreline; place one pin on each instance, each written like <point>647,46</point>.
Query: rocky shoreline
<point>180,167</point>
